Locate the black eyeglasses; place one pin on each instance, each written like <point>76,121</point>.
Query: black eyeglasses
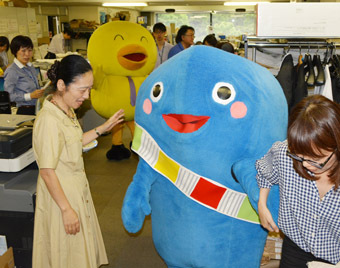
<point>311,162</point>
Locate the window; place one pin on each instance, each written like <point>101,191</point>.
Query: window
<point>199,21</point>
<point>224,23</point>
<point>234,24</point>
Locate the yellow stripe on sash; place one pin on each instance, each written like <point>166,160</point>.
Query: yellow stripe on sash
<point>167,167</point>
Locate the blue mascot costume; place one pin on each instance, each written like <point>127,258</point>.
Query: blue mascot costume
<point>202,119</point>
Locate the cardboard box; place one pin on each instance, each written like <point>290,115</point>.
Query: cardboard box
<point>20,3</point>
<point>7,259</point>
<point>273,246</point>
<point>43,41</point>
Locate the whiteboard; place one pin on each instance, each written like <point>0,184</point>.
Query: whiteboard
<point>298,20</point>
<point>16,20</point>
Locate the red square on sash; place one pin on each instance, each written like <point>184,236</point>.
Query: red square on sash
<point>208,193</point>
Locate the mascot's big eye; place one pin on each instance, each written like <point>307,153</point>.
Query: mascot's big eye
<point>156,92</point>
<point>223,93</point>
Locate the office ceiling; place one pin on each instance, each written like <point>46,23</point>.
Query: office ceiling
<point>161,5</point>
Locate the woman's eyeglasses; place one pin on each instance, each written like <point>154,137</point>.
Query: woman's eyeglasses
<point>311,162</point>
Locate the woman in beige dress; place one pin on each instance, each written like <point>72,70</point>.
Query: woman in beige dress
<point>66,229</point>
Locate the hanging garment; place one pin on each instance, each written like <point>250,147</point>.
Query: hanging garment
<point>300,86</point>
<point>334,66</point>
<point>336,89</point>
<point>286,77</point>
<point>309,68</point>
<point>320,78</point>
<point>326,89</point>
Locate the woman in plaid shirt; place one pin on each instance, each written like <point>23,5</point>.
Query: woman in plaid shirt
<point>306,166</point>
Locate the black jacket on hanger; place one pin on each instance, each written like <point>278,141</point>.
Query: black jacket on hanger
<point>286,77</point>
<point>300,89</point>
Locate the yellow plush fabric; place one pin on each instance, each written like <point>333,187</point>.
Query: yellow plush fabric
<point>118,50</point>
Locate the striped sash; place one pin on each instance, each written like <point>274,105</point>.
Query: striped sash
<point>204,191</point>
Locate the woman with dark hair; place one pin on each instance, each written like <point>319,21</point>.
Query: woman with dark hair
<point>21,78</point>
<point>307,169</point>
<point>66,229</point>
<point>4,46</point>
<point>210,40</point>
<point>184,39</point>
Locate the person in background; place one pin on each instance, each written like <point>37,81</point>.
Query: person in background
<point>163,47</point>
<point>210,40</point>
<point>57,45</point>
<point>21,78</point>
<point>184,39</point>
<point>66,228</point>
<point>228,47</point>
<point>307,169</point>
<point>4,46</point>
<point>198,43</point>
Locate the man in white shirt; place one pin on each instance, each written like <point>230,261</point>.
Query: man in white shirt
<point>163,47</point>
<point>57,45</point>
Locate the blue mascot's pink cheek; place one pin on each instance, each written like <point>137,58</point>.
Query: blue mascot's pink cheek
<point>238,110</point>
<point>147,106</point>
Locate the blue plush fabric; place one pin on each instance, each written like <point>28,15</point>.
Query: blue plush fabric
<point>240,130</point>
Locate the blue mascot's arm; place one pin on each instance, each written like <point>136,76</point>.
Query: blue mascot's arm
<point>245,173</point>
<point>136,202</point>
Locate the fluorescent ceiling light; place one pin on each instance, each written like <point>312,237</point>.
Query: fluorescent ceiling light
<point>125,4</point>
<point>243,3</point>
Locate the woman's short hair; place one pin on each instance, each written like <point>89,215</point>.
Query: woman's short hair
<point>228,47</point>
<point>182,31</point>
<point>313,126</point>
<point>4,41</point>
<point>68,69</point>
<point>20,41</point>
<point>211,40</point>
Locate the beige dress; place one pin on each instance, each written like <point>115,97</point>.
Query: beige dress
<point>57,144</point>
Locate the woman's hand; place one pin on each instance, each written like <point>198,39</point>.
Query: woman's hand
<point>117,118</point>
<point>90,135</point>
<point>71,221</point>
<point>36,94</point>
<point>266,218</point>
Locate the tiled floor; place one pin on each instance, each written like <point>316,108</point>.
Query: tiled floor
<point>109,181</point>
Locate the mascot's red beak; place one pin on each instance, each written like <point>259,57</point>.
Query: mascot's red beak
<point>185,123</point>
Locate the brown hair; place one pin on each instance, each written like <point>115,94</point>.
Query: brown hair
<point>314,125</point>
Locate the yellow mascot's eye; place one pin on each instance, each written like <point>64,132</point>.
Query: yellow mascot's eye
<point>119,35</point>
<point>223,93</point>
<point>144,38</point>
<point>157,92</point>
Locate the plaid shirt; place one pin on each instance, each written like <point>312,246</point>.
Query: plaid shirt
<point>311,223</point>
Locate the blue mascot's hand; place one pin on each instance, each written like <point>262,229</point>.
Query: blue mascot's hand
<point>244,172</point>
<point>136,202</point>
<point>273,202</point>
<point>135,208</point>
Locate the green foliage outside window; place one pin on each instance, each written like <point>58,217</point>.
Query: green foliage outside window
<point>229,24</point>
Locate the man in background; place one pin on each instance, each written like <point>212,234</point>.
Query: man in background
<point>57,45</point>
<point>163,47</point>
<point>184,39</point>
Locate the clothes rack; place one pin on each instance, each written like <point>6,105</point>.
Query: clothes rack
<point>256,42</point>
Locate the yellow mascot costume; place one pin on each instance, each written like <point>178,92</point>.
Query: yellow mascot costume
<point>122,54</point>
